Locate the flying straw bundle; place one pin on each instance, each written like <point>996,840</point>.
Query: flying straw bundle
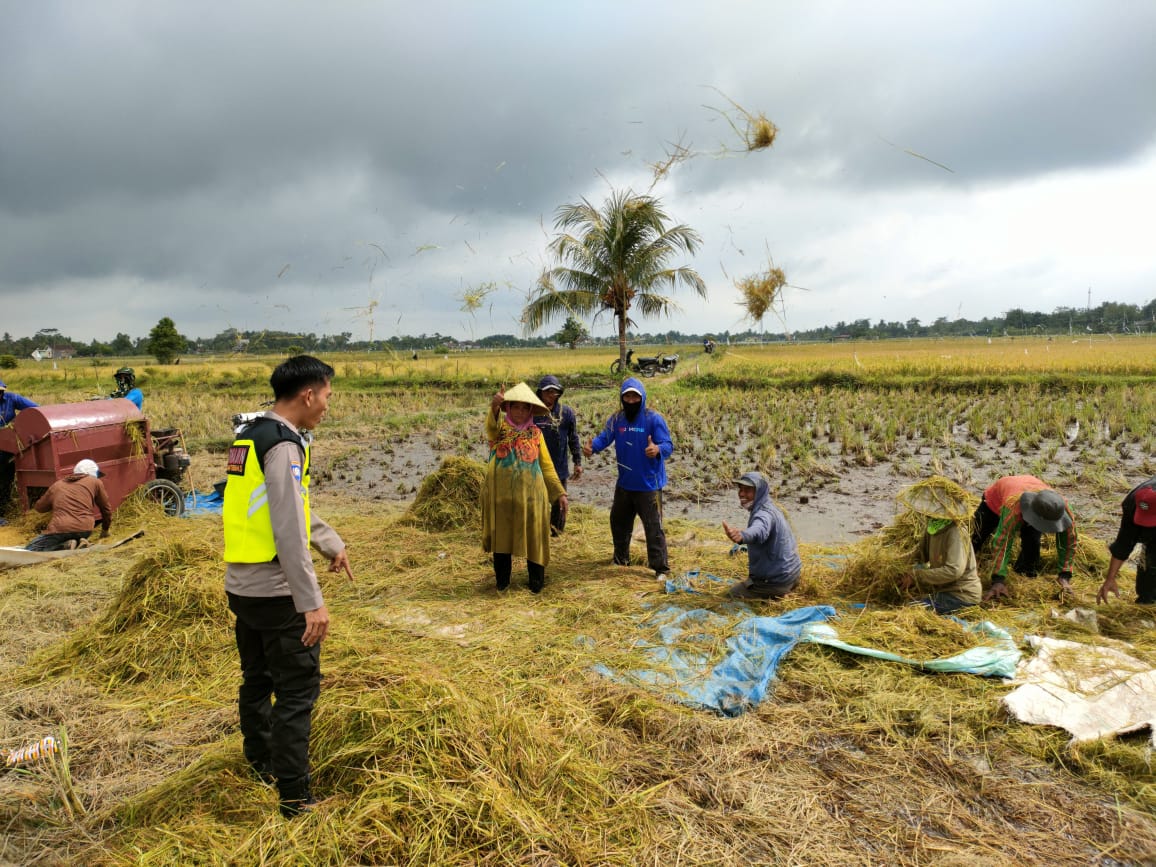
<point>761,132</point>
<point>761,291</point>
<point>450,497</point>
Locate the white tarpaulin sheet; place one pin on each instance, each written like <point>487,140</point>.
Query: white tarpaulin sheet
<point>1090,691</point>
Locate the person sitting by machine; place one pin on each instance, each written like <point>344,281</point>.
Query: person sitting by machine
<point>126,387</point>
<point>71,501</point>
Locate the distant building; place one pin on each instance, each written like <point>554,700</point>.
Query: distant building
<point>48,353</point>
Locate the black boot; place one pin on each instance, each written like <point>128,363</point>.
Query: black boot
<point>295,807</point>
<point>537,576</point>
<point>502,566</point>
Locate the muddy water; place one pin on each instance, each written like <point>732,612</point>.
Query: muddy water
<point>834,511</point>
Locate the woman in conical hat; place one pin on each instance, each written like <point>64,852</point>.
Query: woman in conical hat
<point>520,485</point>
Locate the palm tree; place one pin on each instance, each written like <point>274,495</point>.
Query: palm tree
<point>613,259</point>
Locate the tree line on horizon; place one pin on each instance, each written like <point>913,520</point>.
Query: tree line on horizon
<point>1109,317</point>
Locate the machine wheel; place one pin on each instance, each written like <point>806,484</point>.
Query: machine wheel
<point>168,494</point>
<point>616,367</point>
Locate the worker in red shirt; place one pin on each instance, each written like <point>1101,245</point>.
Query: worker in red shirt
<point>1027,505</point>
<point>71,501</point>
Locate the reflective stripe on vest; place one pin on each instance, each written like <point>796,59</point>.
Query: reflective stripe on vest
<point>248,527</point>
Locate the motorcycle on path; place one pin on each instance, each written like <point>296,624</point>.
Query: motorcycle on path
<point>645,365</point>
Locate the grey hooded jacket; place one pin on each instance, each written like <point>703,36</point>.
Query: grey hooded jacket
<point>771,547</point>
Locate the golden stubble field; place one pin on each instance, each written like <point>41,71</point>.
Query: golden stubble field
<point>459,727</point>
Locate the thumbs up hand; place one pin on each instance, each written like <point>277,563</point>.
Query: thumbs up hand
<point>496,401</point>
<point>652,451</point>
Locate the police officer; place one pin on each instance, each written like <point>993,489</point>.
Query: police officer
<point>270,581</point>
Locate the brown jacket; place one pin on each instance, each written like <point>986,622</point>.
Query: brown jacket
<point>950,565</point>
<point>71,500</point>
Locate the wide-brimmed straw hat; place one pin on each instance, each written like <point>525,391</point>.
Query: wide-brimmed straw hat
<point>1045,510</point>
<point>937,497</point>
<point>522,393</point>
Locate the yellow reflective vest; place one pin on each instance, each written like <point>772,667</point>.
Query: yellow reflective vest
<point>248,526</point>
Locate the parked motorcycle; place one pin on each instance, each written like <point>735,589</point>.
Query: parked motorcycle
<point>645,365</point>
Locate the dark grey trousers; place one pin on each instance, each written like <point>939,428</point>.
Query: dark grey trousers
<point>646,505</point>
<point>274,662</point>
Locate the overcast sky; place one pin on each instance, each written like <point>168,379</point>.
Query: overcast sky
<point>285,164</point>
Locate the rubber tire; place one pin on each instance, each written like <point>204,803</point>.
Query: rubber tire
<point>616,367</point>
<point>168,494</point>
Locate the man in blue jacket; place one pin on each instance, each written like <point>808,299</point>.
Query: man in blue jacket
<point>775,566</point>
<point>10,404</point>
<point>641,445</point>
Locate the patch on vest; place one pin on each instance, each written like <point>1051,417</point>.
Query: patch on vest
<point>295,469</point>
<point>237,457</point>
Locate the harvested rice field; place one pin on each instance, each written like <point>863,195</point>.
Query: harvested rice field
<point>458,726</point>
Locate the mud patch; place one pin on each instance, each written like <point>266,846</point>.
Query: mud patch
<point>822,509</point>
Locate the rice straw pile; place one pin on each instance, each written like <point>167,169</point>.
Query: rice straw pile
<point>913,631</point>
<point>450,497</point>
<point>460,726</point>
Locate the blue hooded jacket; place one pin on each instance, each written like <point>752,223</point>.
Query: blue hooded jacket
<point>771,547</point>
<point>637,472</point>
<point>10,403</point>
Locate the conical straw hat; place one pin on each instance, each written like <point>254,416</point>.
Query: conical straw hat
<point>522,393</point>
<point>937,497</point>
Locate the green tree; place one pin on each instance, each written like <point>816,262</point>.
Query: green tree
<point>165,343</point>
<point>614,259</point>
<point>121,344</point>
<point>572,333</point>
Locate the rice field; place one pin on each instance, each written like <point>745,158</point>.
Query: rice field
<point>459,727</point>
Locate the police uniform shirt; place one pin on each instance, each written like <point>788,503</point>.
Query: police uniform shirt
<point>292,573</point>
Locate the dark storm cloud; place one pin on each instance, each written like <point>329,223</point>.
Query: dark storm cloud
<point>207,146</point>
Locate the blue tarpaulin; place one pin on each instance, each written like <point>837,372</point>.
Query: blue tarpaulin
<point>203,504</point>
<point>691,663</point>
<point>996,659</point>
<point>686,655</point>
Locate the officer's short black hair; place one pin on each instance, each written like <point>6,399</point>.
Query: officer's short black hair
<point>298,373</point>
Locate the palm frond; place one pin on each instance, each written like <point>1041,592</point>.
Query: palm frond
<point>611,259</point>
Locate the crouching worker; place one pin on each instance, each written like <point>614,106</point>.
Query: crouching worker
<point>945,562</point>
<point>774,565</point>
<point>71,501</point>
<point>1137,527</point>
<point>1026,506</point>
